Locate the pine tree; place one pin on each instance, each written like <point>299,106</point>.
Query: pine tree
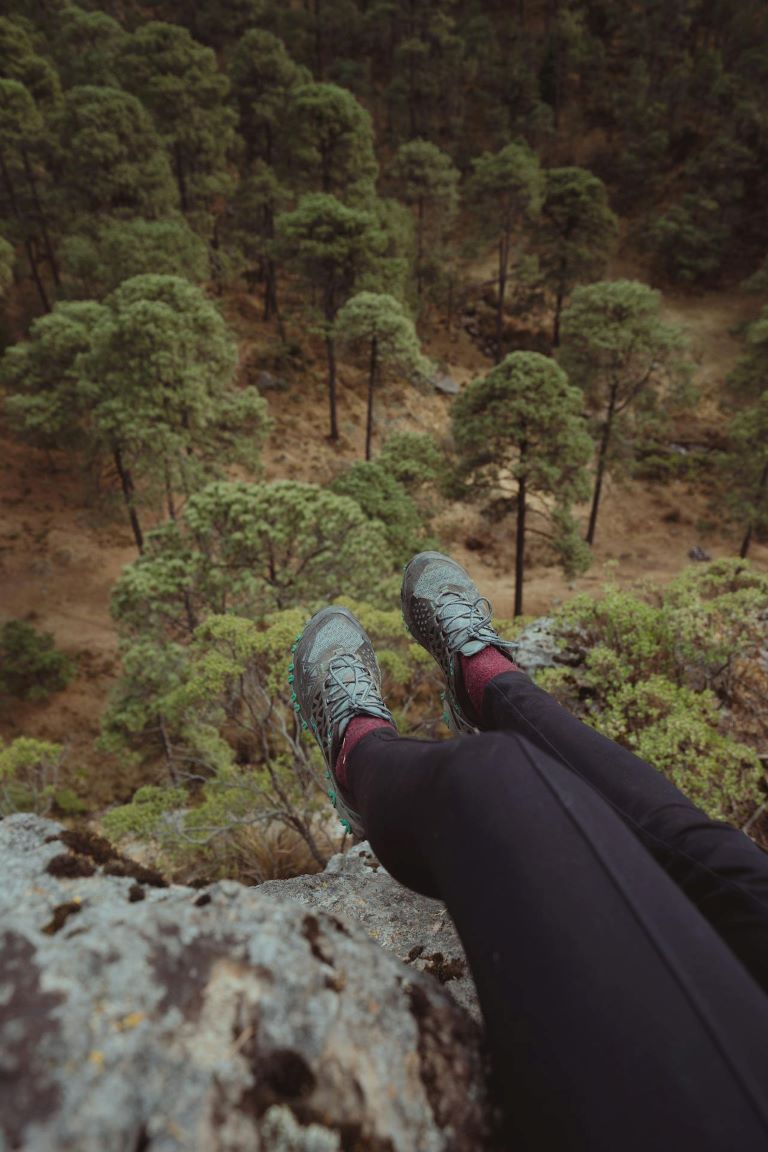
<point>575,235</point>
<point>505,190</point>
<point>96,261</point>
<point>263,78</point>
<point>618,350</point>
<point>85,46</point>
<point>7,259</point>
<point>247,233</point>
<point>385,502</point>
<point>332,245</point>
<point>428,181</point>
<point>143,380</point>
<point>42,380</point>
<point>376,322</point>
<point>23,187</point>
<point>158,381</point>
<point>520,436</point>
<point>425,94</point>
<point>250,548</point>
<point>179,82</point>
<point>744,472</point>
<point>110,161</point>
<point>20,61</point>
<point>334,141</point>
<point>748,379</point>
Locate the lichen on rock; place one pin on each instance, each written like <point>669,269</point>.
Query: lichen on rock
<point>247,1021</point>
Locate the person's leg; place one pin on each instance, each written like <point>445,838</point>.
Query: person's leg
<point>717,866</point>
<point>616,1017</point>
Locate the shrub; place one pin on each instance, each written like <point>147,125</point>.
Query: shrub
<point>414,460</point>
<point>248,549</point>
<point>384,499</point>
<point>238,761</point>
<point>690,240</point>
<point>29,771</point>
<point>30,666</point>
<point>665,678</point>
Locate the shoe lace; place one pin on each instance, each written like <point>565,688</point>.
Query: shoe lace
<point>349,683</point>
<point>461,620</point>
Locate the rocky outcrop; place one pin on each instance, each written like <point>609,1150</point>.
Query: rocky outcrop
<point>140,1017</point>
<point>420,932</point>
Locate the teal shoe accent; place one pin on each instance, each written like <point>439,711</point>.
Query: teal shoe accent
<point>335,678</point>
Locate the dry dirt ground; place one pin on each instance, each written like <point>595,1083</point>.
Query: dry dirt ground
<point>59,559</point>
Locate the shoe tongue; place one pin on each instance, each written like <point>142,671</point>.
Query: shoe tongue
<point>472,647</point>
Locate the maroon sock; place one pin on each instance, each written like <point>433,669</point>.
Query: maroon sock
<point>477,670</point>
<point>358,727</point>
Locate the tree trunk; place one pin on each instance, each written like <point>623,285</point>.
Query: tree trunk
<point>169,491</point>
<point>520,541</point>
<point>559,298</point>
<point>330,352</point>
<point>326,168</point>
<point>319,43</point>
<point>41,289</point>
<point>41,218</point>
<point>602,456</point>
<point>28,246</point>
<point>374,364</point>
<point>761,491</point>
<point>271,306</point>
<point>189,612</point>
<point>503,273</point>
<point>420,247</point>
<point>126,481</point>
<point>556,63</point>
<point>181,179</point>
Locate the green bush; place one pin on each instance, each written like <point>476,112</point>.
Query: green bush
<point>30,666</point>
<point>663,677</point>
<point>384,499</point>
<point>29,771</point>
<point>414,460</point>
<point>689,240</point>
<point>231,732</point>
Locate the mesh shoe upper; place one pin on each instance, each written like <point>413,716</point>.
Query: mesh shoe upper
<point>446,614</point>
<point>336,676</point>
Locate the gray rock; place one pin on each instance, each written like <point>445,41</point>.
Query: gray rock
<point>537,646</point>
<point>419,931</point>
<point>698,553</point>
<point>443,382</point>
<point>227,1019</point>
<point>266,382</point>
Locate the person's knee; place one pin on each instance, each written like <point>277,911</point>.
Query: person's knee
<point>473,763</point>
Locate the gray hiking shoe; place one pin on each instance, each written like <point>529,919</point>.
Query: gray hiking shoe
<point>334,676</point>
<point>445,613</point>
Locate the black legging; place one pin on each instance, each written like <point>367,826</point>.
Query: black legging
<point>618,938</point>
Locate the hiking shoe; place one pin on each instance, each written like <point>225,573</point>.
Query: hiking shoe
<point>445,613</point>
<point>335,676</point>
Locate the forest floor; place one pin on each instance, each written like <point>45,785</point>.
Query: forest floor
<point>59,558</point>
